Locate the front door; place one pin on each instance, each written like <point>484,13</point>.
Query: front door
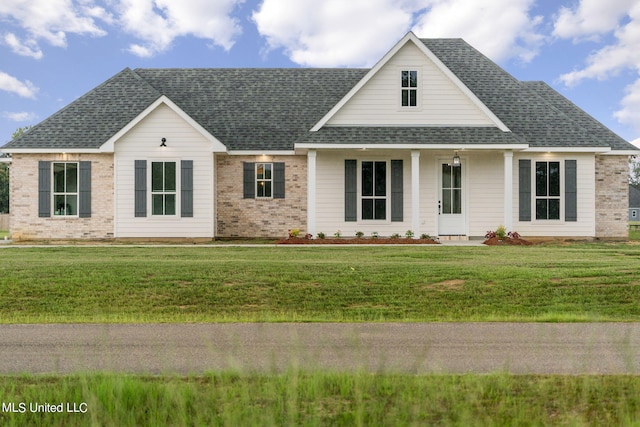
<point>451,209</point>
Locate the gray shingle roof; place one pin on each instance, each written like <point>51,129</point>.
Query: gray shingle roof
<point>92,119</point>
<point>409,135</point>
<point>271,109</point>
<point>255,109</point>
<point>539,119</point>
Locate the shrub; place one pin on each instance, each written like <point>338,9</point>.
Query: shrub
<point>321,235</point>
<point>359,234</point>
<point>408,234</point>
<point>395,236</point>
<point>337,233</point>
<point>375,234</point>
<point>425,236</point>
<point>294,232</point>
<point>501,232</point>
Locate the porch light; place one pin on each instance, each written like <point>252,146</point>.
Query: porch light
<point>456,159</point>
<point>163,142</point>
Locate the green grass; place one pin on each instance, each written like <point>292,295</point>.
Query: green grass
<point>299,398</point>
<point>586,282</point>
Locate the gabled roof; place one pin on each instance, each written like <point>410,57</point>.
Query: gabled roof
<point>92,119</point>
<point>539,118</point>
<point>254,109</point>
<point>275,109</point>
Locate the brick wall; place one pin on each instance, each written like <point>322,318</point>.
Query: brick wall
<point>612,197</point>
<point>25,223</point>
<point>239,217</point>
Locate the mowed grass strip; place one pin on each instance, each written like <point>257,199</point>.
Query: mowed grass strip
<point>323,398</point>
<point>587,282</point>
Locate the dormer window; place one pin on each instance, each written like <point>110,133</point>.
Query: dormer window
<point>409,88</point>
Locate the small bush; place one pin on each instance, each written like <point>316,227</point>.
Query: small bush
<point>321,235</point>
<point>359,234</point>
<point>408,234</point>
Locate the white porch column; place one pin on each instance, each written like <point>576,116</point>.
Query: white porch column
<point>311,192</point>
<point>415,193</point>
<point>508,190</point>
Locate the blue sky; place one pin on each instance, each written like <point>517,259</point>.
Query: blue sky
<point>53,51</point>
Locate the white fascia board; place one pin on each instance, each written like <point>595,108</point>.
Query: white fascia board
<point>568,150</point>
<point>623,153</point>
<point>514,147</point>
<point>261,153</point>
<point>447,72</point>
<point>52,151</point>
<point>5,159</point>
<point>216,145</point>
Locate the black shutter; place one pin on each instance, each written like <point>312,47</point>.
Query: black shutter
<point>186,188</point>
<point>570,190</point>
<point>525,190</point>
<point>249,180</point>
<point>84,196</point>
<point>350,190</point>
<point>140,188</point>
<point>278,180</point>
<point>44,189</point>
<point>397,201</point>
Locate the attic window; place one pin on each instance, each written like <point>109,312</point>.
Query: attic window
<point>409,88</point>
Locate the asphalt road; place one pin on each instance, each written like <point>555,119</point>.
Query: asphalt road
<point>521,348</point>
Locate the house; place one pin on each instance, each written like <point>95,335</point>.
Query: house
<point>435,138</point>
<point>634,204</point>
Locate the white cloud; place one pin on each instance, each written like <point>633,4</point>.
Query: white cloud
<point>22,116</point>
<point>629,114</point>
<point>158,22</point>
<point>358,32</point>
<point>613,58</point>
<point>333,32</point>
<point>500,29</point>
<point>26,48</point>
<point>51,20</point>
<point>590,19</point>
<point>24,89</point>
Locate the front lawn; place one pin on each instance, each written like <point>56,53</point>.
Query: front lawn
<point>587,282</point>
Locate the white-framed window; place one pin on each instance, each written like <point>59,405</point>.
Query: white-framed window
<point>547,190</point>
<point>163,188</point>
<point>373,193</point>
<point>409,88</point>
<point>65,188</point>
<point>264,180</point>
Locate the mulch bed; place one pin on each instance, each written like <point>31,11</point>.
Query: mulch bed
<point>356,241</point>
<point>494,241</point>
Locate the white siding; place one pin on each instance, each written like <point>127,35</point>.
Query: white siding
<point>183,143</point>
<point>484,194</point>
<point>440,101</point>
<point>585,226</point>
<point>330,194</point>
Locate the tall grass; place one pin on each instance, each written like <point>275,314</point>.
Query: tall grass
<point>298,398</point>
<point>219,284</point>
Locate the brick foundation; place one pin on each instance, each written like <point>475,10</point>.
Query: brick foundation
<point>612,197</point>
<point>239,217</point>
<point>25,223</point>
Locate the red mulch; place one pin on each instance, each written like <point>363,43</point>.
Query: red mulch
<point>494,241</point>
<point>356,241</point>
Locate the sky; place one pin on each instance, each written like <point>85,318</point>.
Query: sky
<point>54,51</point>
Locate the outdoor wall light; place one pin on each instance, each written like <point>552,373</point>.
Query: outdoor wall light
<point>164,142</point>
<point>456,159</point>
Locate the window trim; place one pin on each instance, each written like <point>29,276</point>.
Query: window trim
<point>417,88</point>
<point>65,193</point>
<point>561,193</point>
<point>386,197</point>
<point>264,180</point>
<point>175,192</point>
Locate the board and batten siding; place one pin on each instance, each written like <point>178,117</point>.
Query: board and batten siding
<point>440,102</point>
<point>585,192</point>
<point>142,142</point>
